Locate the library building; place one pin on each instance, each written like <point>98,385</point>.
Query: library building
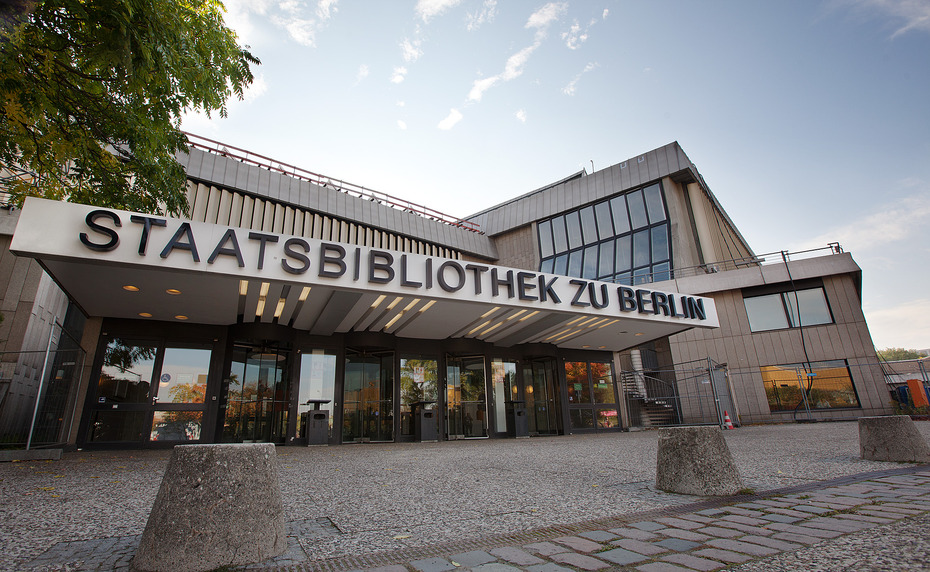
<point>292,308</point>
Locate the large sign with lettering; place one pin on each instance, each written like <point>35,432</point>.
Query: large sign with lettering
<point>69,231</point>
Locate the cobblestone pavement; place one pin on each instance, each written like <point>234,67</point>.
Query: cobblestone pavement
<point>565,503</point>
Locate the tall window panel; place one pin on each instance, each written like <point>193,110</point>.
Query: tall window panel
<point>624,239</point>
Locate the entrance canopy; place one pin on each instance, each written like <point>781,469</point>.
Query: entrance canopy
<point>120,264</point>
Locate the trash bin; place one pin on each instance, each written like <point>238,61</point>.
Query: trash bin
<point>518,424</point>
<point>425,427</point>
<point>315,424</point>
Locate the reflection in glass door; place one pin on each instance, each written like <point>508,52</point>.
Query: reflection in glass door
<point>257,395</point>
<point>539,376</point>
<point>418,388</point>
<point>592,397</point>
<point>368,402</point>
<point>466,401</point>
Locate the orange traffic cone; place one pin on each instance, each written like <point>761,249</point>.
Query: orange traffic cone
<point>727,424</point>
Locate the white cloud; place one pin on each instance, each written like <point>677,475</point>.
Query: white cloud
<point>426,9</point>
<point>896,222</point>
<point>362,73</point>
<point>293,16</point>
<point>256,89</point>
<point>513,67</point>
<point>401,103</point>
<point>411,49</point>
<point>521,116</point>
<point>908,15</point>
<point>480,86</point>
<point>401,125</point>
<point>604,15</point>
<point>542,18</point>
<point>400,73</point>
<point>474,20</point>
<point>895,326</point>
<point>449,122</point>
<point>570,88</point>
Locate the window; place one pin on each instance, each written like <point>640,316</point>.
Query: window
<point>778,311</point>
<point>830,386</point>
<point>620,240</point>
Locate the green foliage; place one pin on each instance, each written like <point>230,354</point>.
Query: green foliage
<point>894,354</point>
<point>91,95</point>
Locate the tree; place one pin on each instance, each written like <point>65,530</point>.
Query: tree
<point>92,93</point>
<point>894,354</point>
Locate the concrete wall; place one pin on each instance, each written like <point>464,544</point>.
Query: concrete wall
<point>222,172</point>
<point>745,352</point>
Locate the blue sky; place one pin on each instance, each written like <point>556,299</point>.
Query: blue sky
<point>809,120</point>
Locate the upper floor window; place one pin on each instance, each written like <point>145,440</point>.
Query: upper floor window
<point>624,239</point>
<point>792,309</point>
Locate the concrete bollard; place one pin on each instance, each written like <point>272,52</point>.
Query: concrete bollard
<point>695,461</point>
<point>894,438</point>
<point>218,505</point>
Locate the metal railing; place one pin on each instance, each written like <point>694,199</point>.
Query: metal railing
<point>777,257</point>
<point>358,191</point>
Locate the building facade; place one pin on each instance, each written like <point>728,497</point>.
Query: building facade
<point>288,307</point>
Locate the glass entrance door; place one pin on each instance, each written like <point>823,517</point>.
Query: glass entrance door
<point>257,395</point>
<point>368,402</point>
<point>592,396</point>
<point>466,398</point>
<point>539,377</point>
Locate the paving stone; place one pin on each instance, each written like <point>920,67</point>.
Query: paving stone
<point>495,567</point>
<point>720,532</point>
<point>545,548</point>
<point>516,556</point>
<point>744,527</point>
<point>647,548</point>
<point>647,525</point>
<point>693,562</point>
<point>775,503</point>
<point>792,537</point>
<point>838,525</point>
<point>724,555</point>
<point>863,518</point>
<point>781,518</point>
<point>582,561</point>
<point>621,556</point>
<point>678,544</point>
<point>678,523</point>
<point>433,565</point>
<point>882,514</point>
<point>598,535</point>
<point>788,512</point>
<point>745,520</point>
<point>394,568</point>
<point>804,530</point>
<point>811,509</point>
<point>474,558</point>
<point>743,512</point>
<point>578,544</point>
<point>710,512</point>
<point>549,567</point>
<point>662,567</point>
<point>744,547</point>
<point>696,518</point>
<point>777,544</point>
<point>684,534</point>
<point>889,508</point>
<point>635,533</point>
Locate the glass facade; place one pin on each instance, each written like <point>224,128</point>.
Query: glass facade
<point>624,239</point>
<point>592,397</point>
<point>788,310</point>
<point>828,383</point>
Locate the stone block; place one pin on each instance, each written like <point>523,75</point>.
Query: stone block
<point>893,438</point>
<point>218,506</point>
<point>695,461</point>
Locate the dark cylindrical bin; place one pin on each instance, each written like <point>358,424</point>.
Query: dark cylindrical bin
<point>425,427</point>
<point>317,427</point>
<point>518,424</point>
